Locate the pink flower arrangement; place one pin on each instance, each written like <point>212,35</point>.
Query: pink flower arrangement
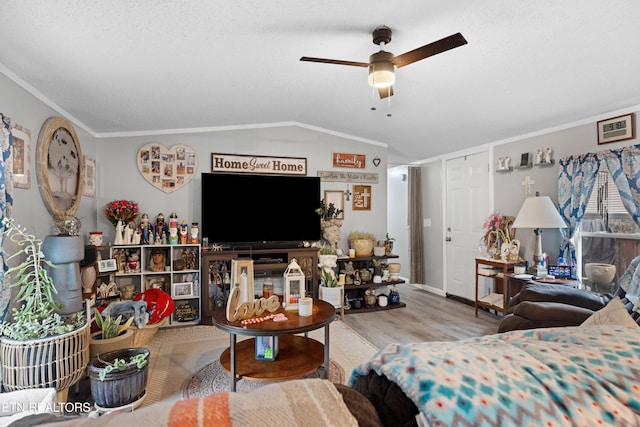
<point>497,230</point>
<point>494,222</point>
<point>121,210</point>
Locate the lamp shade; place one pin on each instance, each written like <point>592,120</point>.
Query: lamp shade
<point>538,212</point>
<point>381,70</point>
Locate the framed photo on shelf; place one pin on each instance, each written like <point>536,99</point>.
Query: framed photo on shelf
<point>337,198</point>
<point>106,265</point>
<point>616,129</point>
<point>524,159</point>
<point>21,155</point>
<point>184,289</point>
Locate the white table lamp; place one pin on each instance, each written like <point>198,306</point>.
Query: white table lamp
<point>538,212</point>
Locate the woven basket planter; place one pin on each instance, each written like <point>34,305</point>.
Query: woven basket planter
<point>142,336</point>
<point>58,361</point>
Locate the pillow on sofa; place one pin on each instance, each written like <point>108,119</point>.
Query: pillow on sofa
<point>614,313</point>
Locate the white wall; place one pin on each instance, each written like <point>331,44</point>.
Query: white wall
<point>119,178</point>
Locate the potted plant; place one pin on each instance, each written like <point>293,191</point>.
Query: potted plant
<point>112,334</point>
<point>36,334</point>
<point>65,250</point>
<point>330,290</point>
<point>362,243</point>
<point>119,377</point>
<point>388,245</point>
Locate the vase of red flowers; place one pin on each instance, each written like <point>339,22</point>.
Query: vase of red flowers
<point>120,213</point>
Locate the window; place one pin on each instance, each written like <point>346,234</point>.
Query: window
<point>607,233</point>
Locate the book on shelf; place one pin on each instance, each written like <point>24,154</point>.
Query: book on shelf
<point>493,299</point>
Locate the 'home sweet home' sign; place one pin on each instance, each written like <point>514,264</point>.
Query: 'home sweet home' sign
<point>241,163</point>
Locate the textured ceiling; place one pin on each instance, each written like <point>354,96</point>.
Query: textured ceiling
<point>128,67</point>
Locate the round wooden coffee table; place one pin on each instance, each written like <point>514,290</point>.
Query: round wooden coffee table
<point>297,355</point>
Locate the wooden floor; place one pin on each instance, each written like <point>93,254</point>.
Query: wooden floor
<point>427,317</point>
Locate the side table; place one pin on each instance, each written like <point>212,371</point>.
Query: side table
<point>496,300</point>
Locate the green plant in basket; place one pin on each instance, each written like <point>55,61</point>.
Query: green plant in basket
<point>39,314</point>
<point>111,326</point>
<point>139,360</point>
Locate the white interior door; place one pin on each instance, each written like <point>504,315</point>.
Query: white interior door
<point>467,195</point>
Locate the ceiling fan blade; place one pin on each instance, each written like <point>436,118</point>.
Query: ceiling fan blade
<point>430,49</point>
<point>334,61</point>
<point>385,92</point>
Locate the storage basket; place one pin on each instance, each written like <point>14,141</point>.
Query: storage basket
<point>141,336</point>
<point>58,361</point>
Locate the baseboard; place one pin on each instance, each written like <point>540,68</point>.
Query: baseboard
<point>429,289</point>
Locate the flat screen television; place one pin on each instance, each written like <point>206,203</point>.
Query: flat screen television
<point>260,210</point>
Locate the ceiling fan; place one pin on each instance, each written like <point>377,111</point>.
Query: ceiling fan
<point>382,64</point>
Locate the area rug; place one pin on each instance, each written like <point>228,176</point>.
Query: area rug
<point>176,354</point>
<point>213,378</point>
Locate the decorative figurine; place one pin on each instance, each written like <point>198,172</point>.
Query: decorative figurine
<point>547,156</point>
<point>157,260</point>
<point>500,163</point>
<point>146,229</point>
<point>173,228</point>
<point>538,156</point>
<point>160,230</point>
<point>507,161</point>
<point>184,231</point>
<point>195,230</point>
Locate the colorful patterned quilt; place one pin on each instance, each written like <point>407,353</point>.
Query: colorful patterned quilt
<point>570,376</point>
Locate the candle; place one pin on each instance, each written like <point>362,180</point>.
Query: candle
<point>352,253</point>
<point>341,279</point>
<point>305,306</point>
<point>244,287</point>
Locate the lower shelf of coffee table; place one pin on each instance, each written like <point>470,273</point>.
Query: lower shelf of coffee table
<point>297,356</point>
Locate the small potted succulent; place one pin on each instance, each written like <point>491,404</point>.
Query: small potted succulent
<point>113,334</point>
<point>330,291</point>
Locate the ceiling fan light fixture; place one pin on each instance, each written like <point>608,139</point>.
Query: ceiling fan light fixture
<point>382,74</point>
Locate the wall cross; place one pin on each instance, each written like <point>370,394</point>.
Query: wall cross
<point>527,183</point>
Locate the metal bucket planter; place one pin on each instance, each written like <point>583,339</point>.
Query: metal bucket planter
<point>120,387</point>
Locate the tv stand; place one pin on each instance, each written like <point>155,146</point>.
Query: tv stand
<point>266,262</point>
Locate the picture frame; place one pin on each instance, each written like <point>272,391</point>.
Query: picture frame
<point>89,177</point>
<point>524,159</point>
<point>59,167</point>
<point>21,156</point>
<point>107,265</point>
<point>237,265</point>
<point>182,289</point>
<point>361,198</point>
<point>337,198</point>
<point>167,168</point>
<point>615,129</point>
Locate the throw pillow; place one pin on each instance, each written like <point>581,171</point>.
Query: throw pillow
<point>614,313</point>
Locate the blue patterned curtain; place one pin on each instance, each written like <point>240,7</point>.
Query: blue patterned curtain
<point>6,202</point>
<point>576,179</point>
<point>624,167</point>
